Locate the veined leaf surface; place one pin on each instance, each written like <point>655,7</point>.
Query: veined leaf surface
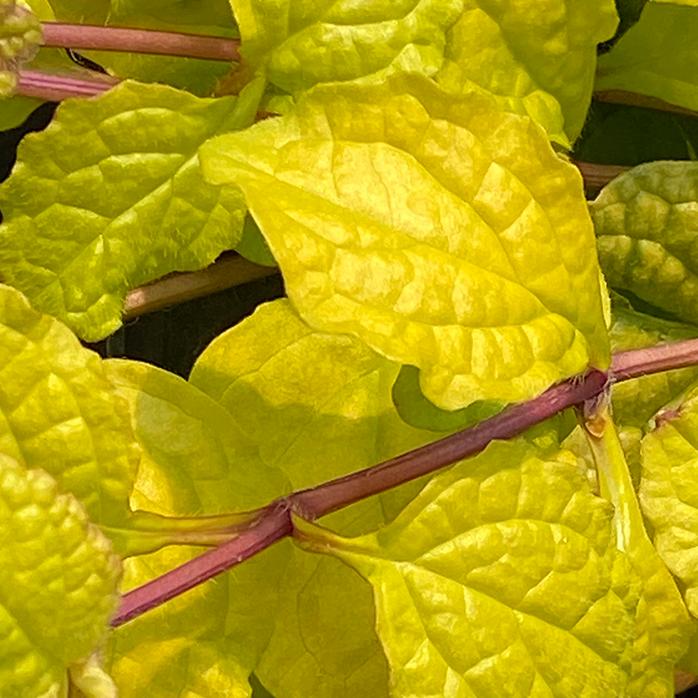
<point>509,49</point>
<point>58,583</point>
<point>196,461</point>
<point>669,494</point>
<point>318,406</point>
<point>59,412</point>
<point>444,233</point>
<point>505,560</point>
<point>111,196</point>
<point>646,224</point>
<point>657,56</point>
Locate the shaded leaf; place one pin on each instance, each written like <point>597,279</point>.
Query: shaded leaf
<point>636,401</point>
<point>646,224</point>
<point>656,57</point>
<point>318,406</point>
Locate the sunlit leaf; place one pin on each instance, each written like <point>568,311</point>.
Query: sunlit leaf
<point>509,49</point>
<point>58,583</point>
<point>669,493</point>
<point>110,196</point>
<point>504,561</point>
<point>58,411</point>
<point>497,301</point>
<point>20,36</point>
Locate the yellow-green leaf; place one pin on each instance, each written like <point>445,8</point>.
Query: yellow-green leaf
<point>657,56</point>
<point>110,196</point>
<point>58,583</point>
<point>496,301</point>
<point>499,579</point>
<point>646,223</point>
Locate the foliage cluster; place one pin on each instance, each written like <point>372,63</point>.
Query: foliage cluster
<point>414,169</point>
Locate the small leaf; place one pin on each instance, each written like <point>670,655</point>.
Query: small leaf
<point>58,583</point>
<point>110,196</point>
<point>505,560</point>
<point>636,401</point>
<point>656,57</point>
<point>496,302</point>
<point>647,226</point>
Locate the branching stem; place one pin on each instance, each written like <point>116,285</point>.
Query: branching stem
<point>276,522</point>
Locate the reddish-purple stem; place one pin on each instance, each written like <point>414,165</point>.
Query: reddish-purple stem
<point>276,522</point>
<point>85,36</point>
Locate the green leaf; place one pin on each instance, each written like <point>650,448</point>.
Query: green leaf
<point>318,406</point>
<point>497,302</point>
<point>110,196</point>
<point>196,462</point>
<point>208,17</point>
<point>514,593</point>
<point>646,230</point>
<point>20,36</point>
<point>509,49</point>
<point>662,624</point>
<point>636,401</point>
<point>668,491</point>
<point>253,246</point>
<point>656,57</point>
<point>57,585</point>
<point>514,49</point>
<point>14,111</point>
<point>58,411</point>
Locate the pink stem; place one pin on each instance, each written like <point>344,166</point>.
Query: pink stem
<point>85,36</point>
<point>54,88</point>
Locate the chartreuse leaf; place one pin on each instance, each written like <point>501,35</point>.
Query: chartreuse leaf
<point>668,490</point>
<point>20,36</point>
<point>646,226</point>
<point>505,560</point>
<point>515,51</point>
<point>111,196</point>
<point>196,461</point>
<point>318,406</point>
<point>663,626</point>
<point>58,583</point>
<point>636,401</point>
<point>509,49</point>
<point>656,57</point>
<point>58,411</point>
<point>497,301</point>
<point>190,16</point>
